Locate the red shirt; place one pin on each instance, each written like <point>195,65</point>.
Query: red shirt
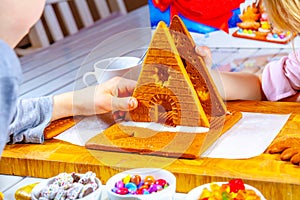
<point>215,13</point>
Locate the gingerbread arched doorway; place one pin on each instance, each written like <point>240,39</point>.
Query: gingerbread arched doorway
<point>156,104</point>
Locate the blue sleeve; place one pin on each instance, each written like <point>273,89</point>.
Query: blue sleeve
<point>10,80</point>
<point>30,120</point>
<point>21,120</point>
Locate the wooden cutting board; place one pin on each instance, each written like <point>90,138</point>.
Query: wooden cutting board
<point>275,178</point>
<point>129,139</point>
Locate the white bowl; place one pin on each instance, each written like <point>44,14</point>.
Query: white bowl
<point>165,194</point>
<point>195,193</point>
<point>96,195</point>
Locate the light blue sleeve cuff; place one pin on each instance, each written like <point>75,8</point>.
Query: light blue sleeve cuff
<point>30,120</point>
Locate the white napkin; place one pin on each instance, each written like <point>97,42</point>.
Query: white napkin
<point>249,137</point>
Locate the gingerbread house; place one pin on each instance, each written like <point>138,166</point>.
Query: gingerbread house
<point>255,25</point>
<point>174,89</point>
<point>175,86</point>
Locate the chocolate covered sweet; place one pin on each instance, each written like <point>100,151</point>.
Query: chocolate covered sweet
<point>69,186</point>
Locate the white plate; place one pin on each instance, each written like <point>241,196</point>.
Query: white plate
<point>195,193</point>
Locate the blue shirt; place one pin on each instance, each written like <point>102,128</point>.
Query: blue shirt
<point>21,120</point>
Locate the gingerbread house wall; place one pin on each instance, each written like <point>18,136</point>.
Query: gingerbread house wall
<point>175,84</point>
<point>207,92</point>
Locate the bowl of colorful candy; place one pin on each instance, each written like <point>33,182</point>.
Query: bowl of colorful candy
<point>142,184</point>
<point>69,186</point>
<point>234,189</point>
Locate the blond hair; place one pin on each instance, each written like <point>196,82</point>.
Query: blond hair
<point>284,14</point>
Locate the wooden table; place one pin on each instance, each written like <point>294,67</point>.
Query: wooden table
<point>55,70</point>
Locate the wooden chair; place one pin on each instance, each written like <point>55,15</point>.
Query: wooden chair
<point>65,17</point>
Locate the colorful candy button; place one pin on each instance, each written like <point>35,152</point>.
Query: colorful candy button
<point>122,191</point>
<point>140,191</point>
<point>161,182</point>
<point>119,184</point>
<point>136,179</point>
<point>126,179</point>
<point>131,187</point>
<point>155,188</point>
<point>281,35</point>
<point>149,180</point>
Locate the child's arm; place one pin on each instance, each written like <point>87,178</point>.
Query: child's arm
<point>281,79</point>
<point>233,85</point>
<point>238,85</point>
<point>113,95</point>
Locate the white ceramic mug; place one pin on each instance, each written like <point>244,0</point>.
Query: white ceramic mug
<point>127,67</point>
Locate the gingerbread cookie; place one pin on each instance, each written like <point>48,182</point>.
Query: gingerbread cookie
<point>291,154</point>
<point>288,146</point>
<point>283,143</point>
<point>58,126</point>
<point>250,17</point>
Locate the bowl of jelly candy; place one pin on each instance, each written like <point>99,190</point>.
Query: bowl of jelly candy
<point>69,186</point>
<point>142,184</point>
<point>233,189</point>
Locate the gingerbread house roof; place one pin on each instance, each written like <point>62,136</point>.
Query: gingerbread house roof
<point>174,86</point>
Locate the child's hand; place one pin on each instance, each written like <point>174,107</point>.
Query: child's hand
<point>115,95</point>
<point>205,53</point>
<point>112,96</point>
<point>118,91</point>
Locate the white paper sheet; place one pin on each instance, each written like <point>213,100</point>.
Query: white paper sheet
<point>249,137</point>
<point>83,131</point>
